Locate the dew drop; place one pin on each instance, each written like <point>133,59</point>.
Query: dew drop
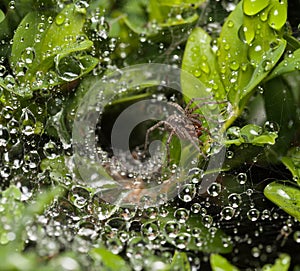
<point>253,214</point>
<point>150,230</point>
<point>214,189</point>
<point>230,24</point>
<point>187,193</point>
<point>181,215</point>
<point>60,19</point>
<point>227,213</point>
<point>234,200</point>
<point>297,236</point>
<point>182,240</point>
<point>207,221</point>
<point>271,126</point>
<point>172,228</point>
<point>242,178</point>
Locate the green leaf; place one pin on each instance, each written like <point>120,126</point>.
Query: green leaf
<point>286,195</point>
<point>253,7</point>
<point>251,134</point>
<point>233,60</point>
<point>181,3</point>
<point>2,16</point>
<point>290,63</point>
<point>180,262</point>
<point>218,263</point>
<point>110,261</point>
<point>279,98</point>
<point>281,264</point>
<point>269,60</point>
<point>37,48</point>
<point>292,162</point>
<point>200,60</point>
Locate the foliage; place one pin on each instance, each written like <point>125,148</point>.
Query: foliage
<point>53,51</point>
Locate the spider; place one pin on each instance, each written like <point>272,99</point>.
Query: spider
<point>185,123</point>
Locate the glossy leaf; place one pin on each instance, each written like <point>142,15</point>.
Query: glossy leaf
<point>281,264</point>
<point>181,3</point>
<point>200,60</point>
<point>278,98</point>
<point>292,162</point>
<point>233,60</point>
<point>218,263</point>
<point>251,134</point>
<point>39,56</point>
<point>290,63</point>
<point>109,261</point>
<point>252,7</point>
<point>268,61</point>
<point>2,16</point>
<point>286,195</point>
<point>180,262</point>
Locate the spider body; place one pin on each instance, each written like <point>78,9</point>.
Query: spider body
<point>183,123</point>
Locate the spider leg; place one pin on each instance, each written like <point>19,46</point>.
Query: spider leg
<point>190,109</point>
<point>172,133</point>
<point>151,129</point>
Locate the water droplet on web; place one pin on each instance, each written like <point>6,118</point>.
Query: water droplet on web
<point>4,136</point>
<point>51,150</point>
<point>296,236</point>
<point>229,154</point>
<point>79,196</point>
<point>115,245</point>
<point>181,215</point>
<point>267,65</point>
<point>253,214</point>
<point>27,122</point>
<point>207,221</point>
<point>234,65</point>
<point>242,178</point>
<point>150,230</point>
<point>172,228</point>
<point>214,189</point>
<point>227,213</point>
<point>182,240</point>
<point>234,200</point>
<point>12,5</point>
<point>187,193</point>
<point>271,126</point>
<point>255,251</point>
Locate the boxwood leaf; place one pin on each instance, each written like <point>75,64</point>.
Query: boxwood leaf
<point>219,263</point>
<point>290,63</point>
<point>2,16</point>
<point>268,61</point>
<point>41,48</point>
<point>250,134</point>
<point>180,262</point>
<point>281,264</point>
<point>200,60</point>
<point>110,261</point>
<point>233,61</point>
<point>181,3</point>
<point>286,195</point>
<point>292,162</point>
